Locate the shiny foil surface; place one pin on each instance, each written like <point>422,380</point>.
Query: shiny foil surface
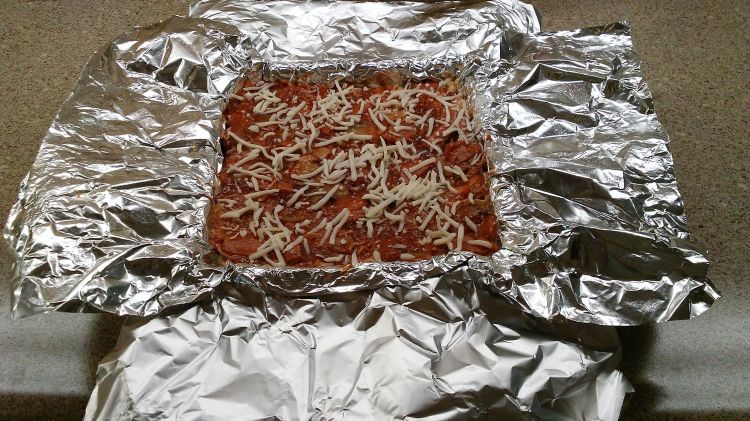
<point>440,349</point>
<point>112,216</point>
<point>304,31</point>
<point>585,184</point>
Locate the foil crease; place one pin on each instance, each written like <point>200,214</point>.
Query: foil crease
<point>585,184</point>
<point>302,31</point>
<point>112,214</point>
<point>439,349</point>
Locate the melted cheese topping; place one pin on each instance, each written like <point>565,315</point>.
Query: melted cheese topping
<point>341,173</point>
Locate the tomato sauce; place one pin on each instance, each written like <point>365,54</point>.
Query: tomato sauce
<point>263,116</point>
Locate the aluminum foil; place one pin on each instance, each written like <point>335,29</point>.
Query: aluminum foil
<point>301,31</point>
<point>112,215</point>
<point>440,349</point>
<point>585,184</point>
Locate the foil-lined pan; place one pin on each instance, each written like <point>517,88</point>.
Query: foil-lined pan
<point>440,349</point>
<point>112,215</point>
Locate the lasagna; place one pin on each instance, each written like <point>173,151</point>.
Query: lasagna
<point>340,172</point>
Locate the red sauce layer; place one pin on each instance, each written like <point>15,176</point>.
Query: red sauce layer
<point>338,173</point>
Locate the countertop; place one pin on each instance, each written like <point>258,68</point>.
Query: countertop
<point>695,56</point>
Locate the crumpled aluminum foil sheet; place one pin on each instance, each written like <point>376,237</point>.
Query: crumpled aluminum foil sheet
<point>112,215</point>
<point>440,349</point>
<point>585,184</point>
<point>301,31</point>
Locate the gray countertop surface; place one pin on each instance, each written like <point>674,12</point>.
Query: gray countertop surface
<point>695,56</point>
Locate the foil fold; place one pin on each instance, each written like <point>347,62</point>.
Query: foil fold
<point>294,31</point>
<point>439,349</point>
<point>585,185</point>
<point>112,216</point>
<point>112,213</point>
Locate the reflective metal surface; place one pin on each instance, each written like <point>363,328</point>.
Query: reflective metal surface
<point>112,215</point>
<point>441,349</point>
<point>585,184</point>
<point>369,30</point>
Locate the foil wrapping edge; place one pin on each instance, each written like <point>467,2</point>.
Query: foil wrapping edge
<point>132,226</point>
<point>439,349</point>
